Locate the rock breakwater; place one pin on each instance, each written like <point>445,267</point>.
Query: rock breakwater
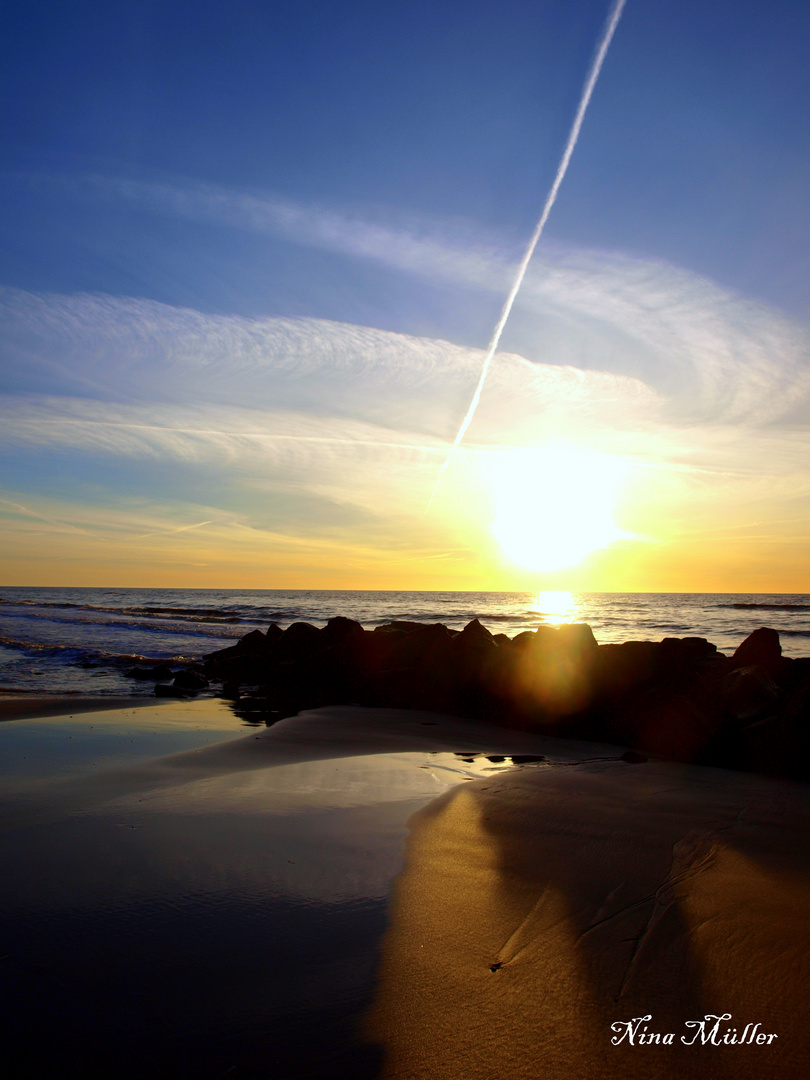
<point>677,698</point>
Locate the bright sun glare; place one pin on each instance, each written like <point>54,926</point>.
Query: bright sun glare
<point>555,505</point>
<point>557,606</point>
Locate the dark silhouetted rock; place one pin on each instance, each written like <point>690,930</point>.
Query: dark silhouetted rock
<point>139,673</point>
<point>749,693</point>
<point>169,690</point>
<point>475,632</point>
<point>576,636</point>
<point>661,698</point>
<point>406,627</point>
<point>686,649</point>
<point>160,673</point>
<point>779,744</point>
<point>255,643</point>
<point>190,680</point>
<point>341,630</point>
<point>678,698</point>
<point>299,641</point>
<point>524,639</point>
<point>760,649</point>
<point>617,669</point>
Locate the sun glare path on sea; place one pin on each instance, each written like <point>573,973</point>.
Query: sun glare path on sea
<point>557,606</point>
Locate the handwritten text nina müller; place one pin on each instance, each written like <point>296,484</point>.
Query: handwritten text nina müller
<point>704,1032</point>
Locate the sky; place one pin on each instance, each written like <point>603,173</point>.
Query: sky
<point>252,256</point>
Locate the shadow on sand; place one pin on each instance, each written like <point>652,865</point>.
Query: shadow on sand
<point>540,908</point>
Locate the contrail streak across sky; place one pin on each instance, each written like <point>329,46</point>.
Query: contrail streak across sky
<point>590,82</point>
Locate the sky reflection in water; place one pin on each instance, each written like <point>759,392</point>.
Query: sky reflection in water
<point>190,928</point>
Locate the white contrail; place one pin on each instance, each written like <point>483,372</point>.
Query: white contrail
<point>590,82</point>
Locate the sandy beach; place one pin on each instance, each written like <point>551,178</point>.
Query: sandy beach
<point>372,875</point>
<point>540,913</point>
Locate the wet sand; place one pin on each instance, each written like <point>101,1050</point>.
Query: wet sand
<point>15,706</point>
<point>203,912</point>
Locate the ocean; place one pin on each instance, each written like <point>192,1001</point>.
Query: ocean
<point>66,640</point>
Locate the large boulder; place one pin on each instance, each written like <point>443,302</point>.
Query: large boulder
<point>469,651</point>
<point>576,637</point>
<point>749,693</point>
<point>475,634</point>
<point>463,672</point>
<point>760,649</point>
<point>159,673</point>
<point>659,697</point>
<point>617,669</point>
<point>409,646</point>
<point>189,679</point>
<point>406,664</point>
<point>541,676</point>
<point>300,641</point>
<point>253,644</point>
<point>170,690</point>
<point>340,630</point>
<point>779,743</point>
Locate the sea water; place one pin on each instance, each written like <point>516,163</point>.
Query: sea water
<point>83,640</point>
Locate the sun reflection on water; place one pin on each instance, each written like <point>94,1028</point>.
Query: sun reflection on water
<point>557,606</point>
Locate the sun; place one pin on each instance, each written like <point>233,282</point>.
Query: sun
<point>555,505</point>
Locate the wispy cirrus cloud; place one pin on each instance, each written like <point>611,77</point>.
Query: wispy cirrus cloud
<point>714,355</point>
<point>711,352</point>
<point>329,431</point>
<point>11,509</point>
<point>315,426</point>
<point>419,245</point>
<point>159,361</point>
<point>100,371</point>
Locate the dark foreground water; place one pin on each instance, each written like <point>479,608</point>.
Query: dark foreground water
<point>227,926</point>
<point>84,640</point>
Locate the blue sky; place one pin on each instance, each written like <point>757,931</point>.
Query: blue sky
<point>250,255</point>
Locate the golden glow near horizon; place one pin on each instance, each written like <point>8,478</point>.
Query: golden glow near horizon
<point>555,505</point>
<point>570,480</point>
